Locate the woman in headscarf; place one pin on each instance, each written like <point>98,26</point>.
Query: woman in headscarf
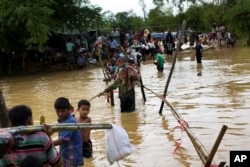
<point>169,43</point>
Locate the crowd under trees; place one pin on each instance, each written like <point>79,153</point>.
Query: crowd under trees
<point>31,22</point>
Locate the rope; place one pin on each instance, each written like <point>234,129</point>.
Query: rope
<point>200,149</point>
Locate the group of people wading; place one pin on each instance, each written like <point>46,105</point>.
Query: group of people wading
<point>125,58</point>
<point>36,148</point>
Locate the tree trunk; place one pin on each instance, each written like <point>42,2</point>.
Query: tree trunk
<point>4,120</point>
<point>24,54</point>
<point>248,41</point>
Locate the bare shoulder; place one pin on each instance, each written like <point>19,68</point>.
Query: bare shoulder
<point>84,120</point>
<point>88,120</point>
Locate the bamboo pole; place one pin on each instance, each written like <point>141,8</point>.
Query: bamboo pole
<point>111,92</point>
<point>59,127</point>
<point>173,64</point>
<point>4,121</point>
<point>94,97</point>
<point>142,89</point>
<point>216,145</point>
<point>104,74</point>
<point>202,153</point>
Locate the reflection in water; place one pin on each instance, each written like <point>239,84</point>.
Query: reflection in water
<point>160,74</point>
<point>219,97</point>
<point>199,69</point>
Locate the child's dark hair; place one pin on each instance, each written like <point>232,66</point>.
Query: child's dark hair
<point>83,102</point>
<point>19,114</point>
<point>62,103</point>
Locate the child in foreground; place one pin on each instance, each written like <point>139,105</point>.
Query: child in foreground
<point>84,109</point>
<point>70,141</point>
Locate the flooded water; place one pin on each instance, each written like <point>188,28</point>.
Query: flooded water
<point>219,97</point>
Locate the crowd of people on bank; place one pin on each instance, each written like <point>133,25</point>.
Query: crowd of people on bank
<point>79,52</point>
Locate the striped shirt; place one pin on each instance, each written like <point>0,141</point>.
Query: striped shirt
<point>36,144</point>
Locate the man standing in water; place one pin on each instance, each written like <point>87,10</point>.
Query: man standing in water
<point>126,94</point>
<point>169,43</point>
<point>198,50</point>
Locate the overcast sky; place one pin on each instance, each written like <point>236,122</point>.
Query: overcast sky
<point>116,6</point>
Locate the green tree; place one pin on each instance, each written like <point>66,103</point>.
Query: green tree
<point>201,17</point>
<point>75,15</point>
<point>161,18</point>
<point>135,23</point>
<point>238,19</point>
<point>122,21</point>
<point>24,24</point>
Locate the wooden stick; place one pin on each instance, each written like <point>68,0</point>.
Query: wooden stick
<point>142,89</point>
<point>59,127</point>
<point>216,145</point>
<point>94,97</point>
<point>112,98</point>
<point>111,92</point>
<point>104,74</point>
<point>173,64</point>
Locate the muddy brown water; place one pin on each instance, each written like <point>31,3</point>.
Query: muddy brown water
<point>219,97</point>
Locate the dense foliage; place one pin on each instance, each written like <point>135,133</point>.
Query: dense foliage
<point>28,23</point>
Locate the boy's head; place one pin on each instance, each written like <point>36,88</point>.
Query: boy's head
<point>83,107</point>
<point>62,107</point>
<point>20,115</point>
<point>62,103</point>
<point>120,61</point>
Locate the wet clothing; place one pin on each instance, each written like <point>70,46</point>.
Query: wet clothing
<point>159,62</point>
<point>169,43</point>
<point>127,97</point>
<point>198,49</point>
<point>70,150</point>
<point>87,149</point>
<point>127,103</point>
<point>36,144</point>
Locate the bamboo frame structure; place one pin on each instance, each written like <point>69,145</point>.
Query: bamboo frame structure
<point>59,127</point>
<point>203,154</point>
